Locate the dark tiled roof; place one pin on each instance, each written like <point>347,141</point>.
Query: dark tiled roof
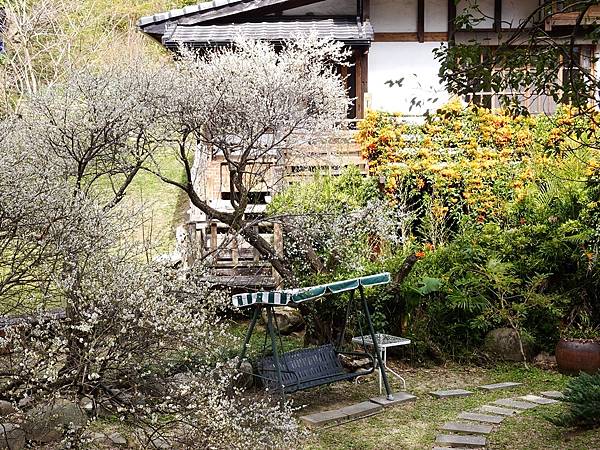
<point>339,29</point>
<point>200,8</point>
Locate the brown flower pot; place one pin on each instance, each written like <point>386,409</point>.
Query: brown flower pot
<point>578,355</point>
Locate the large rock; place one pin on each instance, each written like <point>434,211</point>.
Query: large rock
<point>504,344</point>
<point>12,437</point>
<point>6,408</point>
<point>545,361</point>
<point>288,319</point>
<point>48,422</point>
<point>245,378</point>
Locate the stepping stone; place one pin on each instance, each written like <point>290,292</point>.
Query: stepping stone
<point>323,418</point>
<point>477,417</point>
<point>498,410</point>
<point>497,386</point>
<point>360,410</point>
<point>555,395</point>
<point>399,397</point>
<point>454,440</point>
<point>470,428</point>
<point>449,448</point>
<point>451,393</point>
<point>514,404</point>
<point>539,400</point>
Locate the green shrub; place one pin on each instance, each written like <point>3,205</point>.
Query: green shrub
<point>582,398</point>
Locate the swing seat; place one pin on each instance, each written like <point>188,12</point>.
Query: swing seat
<point>307,368</point>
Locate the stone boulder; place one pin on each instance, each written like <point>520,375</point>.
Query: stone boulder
<point>355,364</point>
<point>245,378</point>
<point>288,320</point>
<point>48,422</point>
<point>6,408</point>
<point>503,343</point>
<point>545,361</point>
<point>12,437</point>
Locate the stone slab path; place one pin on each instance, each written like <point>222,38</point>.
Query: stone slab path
<point>469,428</point>
<point>360,410</point>
<point>469,434</point>
<point>454,440</point>
<point>497,386</point>
<point>539,400</point>
<point>498,410</point>
<point>451,393</point>
<point>554,395</point>
<point>515,404</point>
<point>399,397</point>
<point>449,448</point>
<point>356,411</point>
<point>477,417</point>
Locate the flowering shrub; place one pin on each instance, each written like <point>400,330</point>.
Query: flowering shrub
<point>466,161</point>
<point>136,342</point>
<point>505,220</point>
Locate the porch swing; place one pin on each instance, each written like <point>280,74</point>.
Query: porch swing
<point>309,367</point>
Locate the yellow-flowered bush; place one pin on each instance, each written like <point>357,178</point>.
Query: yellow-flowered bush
<point>471,160</point>
<point>507,219</point>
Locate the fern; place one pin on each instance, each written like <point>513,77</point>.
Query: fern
<point>582,398</point>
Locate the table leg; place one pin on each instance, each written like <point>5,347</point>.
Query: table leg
<point>384,358</point>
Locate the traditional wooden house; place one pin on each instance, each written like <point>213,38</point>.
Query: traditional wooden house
<point>389,39</point>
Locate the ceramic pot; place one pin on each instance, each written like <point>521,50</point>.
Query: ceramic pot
<point>578,355</point>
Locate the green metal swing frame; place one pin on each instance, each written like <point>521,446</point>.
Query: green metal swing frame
<point>315,366</point>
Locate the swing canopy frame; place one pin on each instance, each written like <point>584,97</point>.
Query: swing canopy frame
<point>309,367</point>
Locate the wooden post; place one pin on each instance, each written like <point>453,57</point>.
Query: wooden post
<point>202,241</point>
<point>497,16</point>
<point>358,80</point>
<point>421,20</point>
<point>255,252</point>
<point>364,79</point>
<point>278,245</point>
<point>361,68</point>
<point>235,252</point>
<point>193,244</point>
<point>451,20</point>
<point>213,237</point>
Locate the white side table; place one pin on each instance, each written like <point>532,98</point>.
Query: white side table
<point>384,341</point>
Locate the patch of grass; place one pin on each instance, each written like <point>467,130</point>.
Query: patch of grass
<point>257,340</point>
<point>159,206</point>
<point>415,425</point>
<point>532,431</point>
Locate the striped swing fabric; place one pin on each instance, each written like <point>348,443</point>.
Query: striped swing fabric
<point>290,297</point>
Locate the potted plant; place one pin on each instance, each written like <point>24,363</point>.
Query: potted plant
<point>578,350</point>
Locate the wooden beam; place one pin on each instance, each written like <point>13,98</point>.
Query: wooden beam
<point>497,15</point>
<point>358,77</point>
<point>213,237</point>
<point>410,37</point>
<point>366,10</point>
<point>451,19</point>
<point>364,79</point>
<point>421,20</point>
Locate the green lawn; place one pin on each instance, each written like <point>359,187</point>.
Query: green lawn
<point>415,425</point>
<point>162,207</point>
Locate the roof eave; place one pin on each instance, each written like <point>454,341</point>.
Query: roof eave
<point>204,12</point>
<point>174,46</point>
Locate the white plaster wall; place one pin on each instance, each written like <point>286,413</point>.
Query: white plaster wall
<point>415,62</point>
<point>486,7</point>
<point>436,16</point>
<point>394,16</point>
<point>516,11</point>
<point>325,8</point>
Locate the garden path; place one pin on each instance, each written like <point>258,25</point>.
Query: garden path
<point>472,434</point>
